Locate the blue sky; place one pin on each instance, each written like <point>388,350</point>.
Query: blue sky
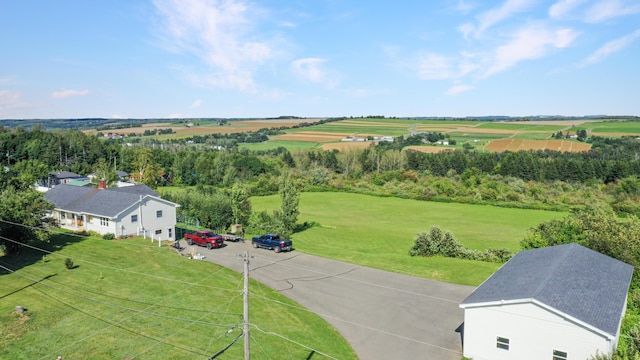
<point>233,58</point>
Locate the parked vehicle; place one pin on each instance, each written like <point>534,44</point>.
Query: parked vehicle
<point>231,237</point>
<point>272,241</point>
<point>204,238</point>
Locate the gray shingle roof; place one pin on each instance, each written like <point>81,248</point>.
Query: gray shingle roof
<point>105,202</point>
<point>572,279</point>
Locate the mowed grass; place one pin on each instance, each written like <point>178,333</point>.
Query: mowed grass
<point>274,144</point>
<point>615,127</point>
<point>378,232</point>
<point>521,126</point>
<point>131,299</point>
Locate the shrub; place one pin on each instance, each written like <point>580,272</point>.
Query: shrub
<point>109,236</point>
<point>68,263</point>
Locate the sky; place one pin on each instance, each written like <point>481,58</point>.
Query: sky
<point>318,58</point>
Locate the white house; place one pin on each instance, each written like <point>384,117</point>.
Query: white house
<point>122,211</point>
<point>560,302</point>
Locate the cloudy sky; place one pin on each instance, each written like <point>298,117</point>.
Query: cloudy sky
<point>265,58</point>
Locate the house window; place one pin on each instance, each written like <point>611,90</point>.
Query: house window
<point>170,232</point>
<point>134,218</point>
<point>559,355</point>
<point>502,343</point>
<point>158,232</point>
<point>104,221</point>
<point>159,213</point>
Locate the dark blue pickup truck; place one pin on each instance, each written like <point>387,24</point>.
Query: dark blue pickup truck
<point>272,241</point>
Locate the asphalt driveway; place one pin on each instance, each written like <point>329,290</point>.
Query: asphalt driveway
<point>383,315</point>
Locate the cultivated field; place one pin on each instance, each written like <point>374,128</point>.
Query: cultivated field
<point>378,231</point>
<point>517,145</point>
<point>523,135</point>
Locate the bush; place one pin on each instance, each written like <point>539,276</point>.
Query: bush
<point>435,242</point>
<point>68,263</point>
<point>109,236</point>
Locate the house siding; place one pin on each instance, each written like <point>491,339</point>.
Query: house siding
<point>533,332</point>
<point>148,221</point>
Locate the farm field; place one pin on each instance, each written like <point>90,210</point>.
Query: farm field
<point>517,145</point>
<point>378,232</point>
<point>203,127</point>
<point>328,135</point>
<point>131,299</point>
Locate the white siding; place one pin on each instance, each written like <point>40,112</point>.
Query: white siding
<point>533,333</point>
<point>147,219</point>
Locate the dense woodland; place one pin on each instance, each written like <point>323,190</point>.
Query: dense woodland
<point>604,181</point>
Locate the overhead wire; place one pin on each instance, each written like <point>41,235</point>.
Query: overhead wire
<point>113,267</point>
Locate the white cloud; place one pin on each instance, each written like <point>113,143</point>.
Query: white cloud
<point>463,6</point>
<point>311,69</point>
<point>608,9</point>
<point>458,89</point>
<point>494,16</point>
<point>612,47</point>
<point>439,67</point>
<point>220,34</point>
<point>530,42</point>
<point>68,93</point>
<point>196,104</point>
<point>563,8</point>
<point>9,99</point>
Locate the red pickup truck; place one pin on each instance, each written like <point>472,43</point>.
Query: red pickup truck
<point>204,238</point>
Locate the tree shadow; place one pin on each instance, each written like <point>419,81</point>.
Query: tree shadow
<point>37,251</point>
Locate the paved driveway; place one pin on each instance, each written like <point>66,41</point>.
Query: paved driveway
<point>383,315</point>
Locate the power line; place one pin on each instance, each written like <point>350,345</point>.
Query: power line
<point>114,268</point>
<point>114,305</point>
<point>339,276</point>
<point>293,341</point>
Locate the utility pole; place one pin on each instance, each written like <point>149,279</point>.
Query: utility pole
<point>247,356</point>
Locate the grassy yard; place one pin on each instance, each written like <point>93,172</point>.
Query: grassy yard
<point>131,299</point>
<point>378,232</point>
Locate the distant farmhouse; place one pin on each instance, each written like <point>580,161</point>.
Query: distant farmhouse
<point>561,302</point>
<point>122,211</point>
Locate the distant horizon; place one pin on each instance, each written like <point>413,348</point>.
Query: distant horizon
<point>335,117</point>
<point>170,59</point>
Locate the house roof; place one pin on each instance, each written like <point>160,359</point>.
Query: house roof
<point>104,202</point>
<point>65,175</point>
<point>121,173</point>
<point>577,281</point>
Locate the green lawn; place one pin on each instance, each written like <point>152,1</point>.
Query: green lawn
<point>378,232</point>
<point>274,144</point>
<point>626,127</point>
<point>131,299</point>
<point>520,126</point>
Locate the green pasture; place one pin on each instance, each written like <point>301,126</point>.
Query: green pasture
<point>378,231</point>
<point>532,136</point>
<point>274,144</point>
<point>626,127</point>
<point>129,299</point>
<point>521,126</point>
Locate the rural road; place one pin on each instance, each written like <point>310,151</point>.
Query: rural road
<point>383,315</point>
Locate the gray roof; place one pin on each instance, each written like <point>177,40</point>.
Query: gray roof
<point>572,279</point>
<point>104,202</point>
<point>121,173</point>
<point>65,175</point>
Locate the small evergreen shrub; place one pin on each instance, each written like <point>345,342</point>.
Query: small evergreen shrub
<point>68,263</point>
<point>109,236</point>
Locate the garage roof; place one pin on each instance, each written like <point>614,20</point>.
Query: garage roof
<point>582,283</point>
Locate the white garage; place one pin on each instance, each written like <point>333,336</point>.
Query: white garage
<point>557,303</point>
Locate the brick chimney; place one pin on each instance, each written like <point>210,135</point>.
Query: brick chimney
<point>102,184</point>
